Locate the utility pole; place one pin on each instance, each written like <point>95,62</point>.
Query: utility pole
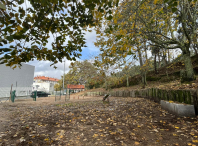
<point>63,77</point>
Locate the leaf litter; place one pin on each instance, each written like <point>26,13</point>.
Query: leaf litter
<point>125,121</point>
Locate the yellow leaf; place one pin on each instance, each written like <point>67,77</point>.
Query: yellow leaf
<point>112,133</point>
<point>115,21</point>
<point>46,139</point>
<point>195,141</point>
<point>133,134</point>
<point>95,135</point>
<point>192,134</point>
<point>19,28</point>
<point>61,136</point>
<point>137,143</point>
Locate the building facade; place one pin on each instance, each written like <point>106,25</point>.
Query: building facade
<point>42,83</point>
<point>76,88</point>
<point>21,80</point>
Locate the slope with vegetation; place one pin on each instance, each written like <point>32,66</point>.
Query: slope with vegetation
<point>166,74</point>
<point>140,27</point>
<point>168,77</point>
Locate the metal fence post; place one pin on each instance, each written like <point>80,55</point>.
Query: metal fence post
<point>55,94</point>
<point>34,95</point>
<point>65,94</point>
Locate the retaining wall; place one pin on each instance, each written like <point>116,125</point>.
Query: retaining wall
<point>180,96</point>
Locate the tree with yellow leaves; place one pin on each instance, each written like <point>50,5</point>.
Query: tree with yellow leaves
<point>153,22</point>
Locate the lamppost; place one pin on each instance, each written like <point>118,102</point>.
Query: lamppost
<point>64,77</point>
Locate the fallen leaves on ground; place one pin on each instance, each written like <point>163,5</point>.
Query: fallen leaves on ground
<point>125,121</point>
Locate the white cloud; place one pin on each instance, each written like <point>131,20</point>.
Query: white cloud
<point>43,68</point>
<point>90,39</point>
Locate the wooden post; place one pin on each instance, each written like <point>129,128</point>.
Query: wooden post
<point>196,102</point>
<point>189,97</point>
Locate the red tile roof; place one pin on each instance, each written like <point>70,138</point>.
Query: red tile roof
<point>75,86</point>
<point>45,78</point>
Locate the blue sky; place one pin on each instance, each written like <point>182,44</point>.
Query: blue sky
<point>42,68</point>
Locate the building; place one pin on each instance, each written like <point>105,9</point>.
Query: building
<point>21,80</point>
<point>76,88</point>
<point>42,83</point>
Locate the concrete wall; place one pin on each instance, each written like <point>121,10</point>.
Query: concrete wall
<point>21,78</point>
<point>178,109</point>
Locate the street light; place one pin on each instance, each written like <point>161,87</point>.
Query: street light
<point>63,77</point>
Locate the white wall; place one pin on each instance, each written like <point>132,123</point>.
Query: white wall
<point>21,78</point>
<point>47,87</point>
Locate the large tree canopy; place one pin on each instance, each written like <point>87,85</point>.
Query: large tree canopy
<point>27,25</point>
<point>141,24</point>
<point>82,72</point>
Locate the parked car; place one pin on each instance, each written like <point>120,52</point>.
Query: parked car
<point>41,94</point>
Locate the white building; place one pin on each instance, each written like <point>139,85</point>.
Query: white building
<point>42,83</point>
<point>21,80</point>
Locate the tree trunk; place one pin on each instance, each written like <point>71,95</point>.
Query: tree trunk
<point>168,56</point>
<point>188,68</point>
<point>127,81</point>
<point>144,79</point>
<point>164,59</point>
<point>145,50</point>
<point>159,63</point>
<point>143,73</point>
<point>155,64</point>
<point>140,57</point>
<point>194,47</point>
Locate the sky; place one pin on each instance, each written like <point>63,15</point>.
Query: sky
<point>43,68</point>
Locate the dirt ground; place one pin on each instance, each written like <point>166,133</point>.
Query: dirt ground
<point>89,121</point>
